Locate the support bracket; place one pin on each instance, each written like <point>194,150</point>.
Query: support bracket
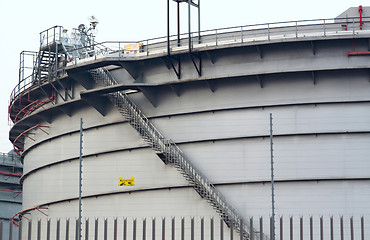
<point>198,66</point>
<point>172,61</point>
<point>313,47</point>
<point>259,50</point>
<point>131,68</point>
<point>313,77</point>
<point>260,80</point>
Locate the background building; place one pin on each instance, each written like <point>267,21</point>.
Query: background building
<point>10,190</point>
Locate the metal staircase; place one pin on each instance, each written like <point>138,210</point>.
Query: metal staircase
<point>169,152</point>
<point>44,64</point>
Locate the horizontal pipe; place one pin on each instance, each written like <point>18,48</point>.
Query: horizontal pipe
<point>11,174</point>
<point>8,190</point>
<point>358,53</point>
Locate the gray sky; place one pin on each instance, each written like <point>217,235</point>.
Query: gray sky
<point>21,21</point>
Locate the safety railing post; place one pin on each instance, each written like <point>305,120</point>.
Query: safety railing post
<point>216,37</point>
<point>241,34</point>
<point>268,32</point>
<point>296,29</point>
<point>324,28</point>
<point>353,26</point>
<point>147,47</point>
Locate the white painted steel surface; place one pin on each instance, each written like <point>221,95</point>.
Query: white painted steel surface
<point>320,101</point>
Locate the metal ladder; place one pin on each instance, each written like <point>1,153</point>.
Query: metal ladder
<point>169,152</point>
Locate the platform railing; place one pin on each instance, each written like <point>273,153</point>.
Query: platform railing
<point>252,34</point>
<point>169,152</point>
<point>266,32</point>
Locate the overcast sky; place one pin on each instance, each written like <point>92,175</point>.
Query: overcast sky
<point>21,21</point>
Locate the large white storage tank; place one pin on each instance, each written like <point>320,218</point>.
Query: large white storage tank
<point>317,92</point>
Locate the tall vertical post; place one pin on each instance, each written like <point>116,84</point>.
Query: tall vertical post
<point>168,27</point>
<point>272,181</point>
<point>189,24</point>
<point>178,24</point>
<point>199,21</point>
<point>80,185</point>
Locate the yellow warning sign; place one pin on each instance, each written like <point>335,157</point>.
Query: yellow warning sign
<point>126,182</point>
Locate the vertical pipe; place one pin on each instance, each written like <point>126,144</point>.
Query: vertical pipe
<point>38,230</point>
<point>10,230</point>
<point>211,229</point>
<point>30,230</point>
<point>182,228</point>
<point>351,227</point>
<point>87,229</point>
<point>202,228</point>
<point>124,229</point>
<point>96,228</point>
<point>153,229</point>
<point>281,228</point>
<point>115,229</point>
<point>291,227</point>
<point>301,227</point>
<point>173,228</point>
<point>48,230</point>
<point>134,230</point>
<point>231,231</point>
<point>221,229</point>
<point>80,185</point>
<point>341,228</point>
<point>261,228</point>
<point>57,236</point>
<point>106,229</point>
<point>77,229</point>
<point>163,229</point>
<point>192,228</point>
<point>251,230</point>
<point>272,182</point>
<point>311,228</point>
<point>331,228</point>
<point>1,229</point>
<point>241,226</point>
<point>321,228</point>
<point>67,229</point>
<point>144,229</point>
<point>362,228</point>
<point>20,231</point>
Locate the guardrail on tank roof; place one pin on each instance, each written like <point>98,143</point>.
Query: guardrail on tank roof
<point>246,34</point>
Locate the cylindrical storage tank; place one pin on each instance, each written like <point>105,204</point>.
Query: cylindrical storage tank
<point>217,111</point>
